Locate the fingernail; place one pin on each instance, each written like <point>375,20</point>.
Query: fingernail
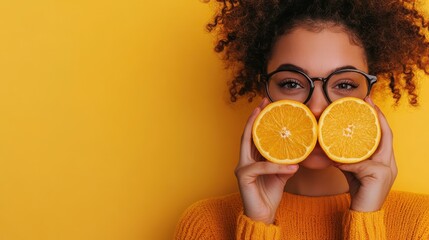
<point>370,101</point>
<point>255,110</point>
<point>292,167</point>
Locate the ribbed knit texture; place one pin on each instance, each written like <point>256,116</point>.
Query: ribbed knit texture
<point>357,225</point>
<point>404,216</point>
<point>248,229</point>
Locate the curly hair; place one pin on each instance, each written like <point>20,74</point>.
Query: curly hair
<point>394,34</point>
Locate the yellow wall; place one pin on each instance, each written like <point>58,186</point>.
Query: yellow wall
<point>114,118</point>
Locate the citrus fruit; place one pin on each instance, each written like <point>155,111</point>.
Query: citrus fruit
<point>349,130</point>
<point>285,132</point>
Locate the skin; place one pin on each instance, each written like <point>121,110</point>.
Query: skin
<point>262,183</point>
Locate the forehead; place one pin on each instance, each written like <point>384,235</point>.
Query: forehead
<point>317,52</point>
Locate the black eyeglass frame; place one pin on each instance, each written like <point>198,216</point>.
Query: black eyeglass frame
<point>371,79</point>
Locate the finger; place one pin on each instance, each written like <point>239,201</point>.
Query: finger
<point>264,103</point>
<point>348,175</point>
<point>248,174</point>
<point>385,148</point>
<point>247,134</point>
<point>354,167</point>
<point>366,168</point>
<point>385,128</point>
<point>246,138</point>
<point>369,100</point>
<point>352,181</point>
<point>393,166</point>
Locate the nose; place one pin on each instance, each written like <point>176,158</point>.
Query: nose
<point>318,101</point>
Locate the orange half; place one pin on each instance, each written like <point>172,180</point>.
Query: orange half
<point>349,130</point>
<point>285,132</point>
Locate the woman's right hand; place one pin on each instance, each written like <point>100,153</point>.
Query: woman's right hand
<point>261,182</point>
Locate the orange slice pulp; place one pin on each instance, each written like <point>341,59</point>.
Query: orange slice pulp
<point>349,130</point>
<point>285,132</point>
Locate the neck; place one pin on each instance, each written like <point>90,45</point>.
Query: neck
<point>311,182</point>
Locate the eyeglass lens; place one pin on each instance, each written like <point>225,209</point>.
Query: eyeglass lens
<point>295,86</point>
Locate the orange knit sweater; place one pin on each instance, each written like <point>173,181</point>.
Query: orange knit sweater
<point>404,216</point>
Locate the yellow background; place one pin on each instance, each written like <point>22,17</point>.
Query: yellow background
<point>115,118</point>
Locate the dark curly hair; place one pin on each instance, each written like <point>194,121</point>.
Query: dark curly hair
<point>394,34</point>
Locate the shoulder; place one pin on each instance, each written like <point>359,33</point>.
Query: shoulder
<point>408,212</point>
<point>212,218</point>
<point>211,207</point>
<point>408,200</point>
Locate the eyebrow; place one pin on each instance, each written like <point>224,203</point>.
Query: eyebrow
<point>290,66</point>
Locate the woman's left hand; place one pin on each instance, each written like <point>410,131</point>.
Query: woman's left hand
<point>371,180</point>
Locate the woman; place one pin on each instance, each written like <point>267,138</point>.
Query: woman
<point>317,198</point>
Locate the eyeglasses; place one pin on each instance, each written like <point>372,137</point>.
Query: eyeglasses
<point>293,84</point>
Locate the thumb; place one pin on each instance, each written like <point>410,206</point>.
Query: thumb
<point>351,180</point>
<point>284,178</point>
<point>355,168</point>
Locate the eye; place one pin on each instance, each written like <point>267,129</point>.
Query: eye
<point>346,85</point>
<point>289,83</point>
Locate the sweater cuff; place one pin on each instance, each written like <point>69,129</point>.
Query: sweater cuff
<point>249,229</point>
<point>364,225</point>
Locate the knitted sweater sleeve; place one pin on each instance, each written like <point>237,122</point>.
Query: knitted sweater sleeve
<point>247,229</point>
<point>364,225</point>
<point>404,216</point>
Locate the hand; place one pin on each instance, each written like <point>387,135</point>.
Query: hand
<point>371,180</point>
<point>261,182</point>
